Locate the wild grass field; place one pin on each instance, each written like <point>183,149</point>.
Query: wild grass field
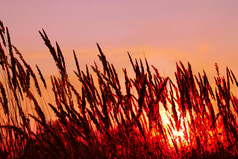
<point>107,116</point>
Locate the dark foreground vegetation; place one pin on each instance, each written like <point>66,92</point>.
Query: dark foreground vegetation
<point>147,116</point>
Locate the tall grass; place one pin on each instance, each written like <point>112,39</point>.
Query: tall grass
<point>148,116</point>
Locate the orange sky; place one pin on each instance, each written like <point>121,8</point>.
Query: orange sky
<point>201,31</point>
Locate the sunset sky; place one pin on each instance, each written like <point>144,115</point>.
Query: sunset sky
<point>163,31</point>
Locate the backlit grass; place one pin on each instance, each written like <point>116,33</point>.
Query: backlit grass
<point>107,116</point>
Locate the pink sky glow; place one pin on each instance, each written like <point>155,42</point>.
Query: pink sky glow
<point>201,31</point>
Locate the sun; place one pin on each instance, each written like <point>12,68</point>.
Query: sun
<point>179,135</point>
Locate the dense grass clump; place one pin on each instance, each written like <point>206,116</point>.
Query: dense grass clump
<point>148,116</point>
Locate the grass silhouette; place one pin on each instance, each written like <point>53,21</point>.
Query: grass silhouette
<point>148,116</point>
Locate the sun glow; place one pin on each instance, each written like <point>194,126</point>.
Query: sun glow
<point>176,135</point>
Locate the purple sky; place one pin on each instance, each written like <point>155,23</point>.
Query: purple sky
<point>200,31</point>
